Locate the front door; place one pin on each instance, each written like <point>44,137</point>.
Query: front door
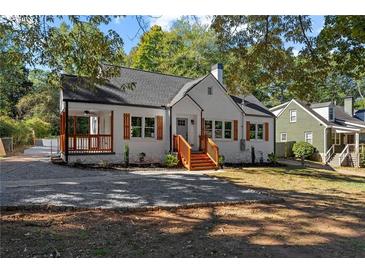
<point>182,127</point>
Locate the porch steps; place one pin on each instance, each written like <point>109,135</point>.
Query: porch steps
<point>350,161</point>
<point>201,161</point>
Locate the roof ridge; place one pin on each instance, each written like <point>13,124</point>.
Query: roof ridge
<point>154,72</point>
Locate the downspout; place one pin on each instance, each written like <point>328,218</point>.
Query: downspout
<point>170,129</point>
<point>66,132</point>
<point>274,135</point>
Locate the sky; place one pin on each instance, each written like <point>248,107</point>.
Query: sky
<point>127,27</point>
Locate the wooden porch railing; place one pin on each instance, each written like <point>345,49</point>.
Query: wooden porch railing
<point>89,143</point>
<point>184,151</point>
<point>210,148</point>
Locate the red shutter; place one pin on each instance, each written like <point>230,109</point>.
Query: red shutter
<point>248,131</point>
<point>127,126</point>
<point>235,130</point>
<point>266,131</point>
<point>159,127</point>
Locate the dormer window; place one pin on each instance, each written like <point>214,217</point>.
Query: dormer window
<point>330,114</point>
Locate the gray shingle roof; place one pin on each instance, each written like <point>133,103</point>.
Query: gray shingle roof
<point>251,105</point>
<point>151,89</point>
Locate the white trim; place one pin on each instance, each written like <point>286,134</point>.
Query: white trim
<point>305,138</point>
<point>290,115</point>
<point>143,124</point>
<point>293,100</point>
<point>345,128</point>
<point>281,136</point>
<point>279,106</point>
<point>353,124</point>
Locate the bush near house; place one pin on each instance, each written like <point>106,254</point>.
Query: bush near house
<point>171,160</point>
<point>303,150</point>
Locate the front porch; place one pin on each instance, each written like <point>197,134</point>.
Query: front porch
<point>86,132</point>
<point>344,148</point>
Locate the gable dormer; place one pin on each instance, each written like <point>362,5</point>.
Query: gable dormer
<point>326,110</point>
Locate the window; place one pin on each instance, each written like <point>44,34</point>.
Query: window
<point>149,127</point>
<point>210,91</point>
<point>227,130</point>
<point>218,129</point>
<point>330,114</point>
<point>136,126</point>
<point>336,138</point>
<point>293,116</point>
<point>209,128</point>
<point>252,131</point>
<point>260,132</point>
<point>181,122</point>
<point>308,137</point>
<point>283,137</point>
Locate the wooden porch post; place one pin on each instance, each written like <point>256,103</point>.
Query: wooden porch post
<point>74,145</point>
<point>66,132</point>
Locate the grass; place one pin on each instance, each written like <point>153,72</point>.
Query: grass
<point>323,216</point>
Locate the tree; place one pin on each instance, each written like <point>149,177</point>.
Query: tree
<point>76,46</point>
<point>188,49</point>
<point>256,46</point>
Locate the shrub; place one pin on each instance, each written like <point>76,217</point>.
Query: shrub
<point>16,129</point>
<point>41,128</point>
<point>141,156</point>
<point>221,160</point>
<point>272,158</point>
<point>126,154</point>
<point>171,160</point>
<point>104,163</point>
<point>303,150</point>
<point>8,126</point>
<point>362,159</point>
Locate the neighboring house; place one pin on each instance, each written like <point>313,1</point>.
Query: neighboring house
<point>332,130</point>
<point>360,114</point>
<point>197,118</point>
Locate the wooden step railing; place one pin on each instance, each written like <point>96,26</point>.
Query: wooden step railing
<point>329,154</point>
<point>183,150</point>
<point>210,148</point>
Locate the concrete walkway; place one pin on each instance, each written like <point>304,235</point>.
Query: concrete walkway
<point>36,181</point>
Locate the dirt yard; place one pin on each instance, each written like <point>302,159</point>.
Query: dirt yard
<point>323,216</point>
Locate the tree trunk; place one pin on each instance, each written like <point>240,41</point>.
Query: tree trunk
<point>302,158</point>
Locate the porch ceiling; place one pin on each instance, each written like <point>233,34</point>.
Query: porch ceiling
<point>92,112</point>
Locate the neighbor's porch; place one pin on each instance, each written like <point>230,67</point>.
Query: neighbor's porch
<point>86,132</point>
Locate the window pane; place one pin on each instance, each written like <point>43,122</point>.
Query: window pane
<point>136,121</point>
<point>260,131</point>
<point>208,128</point>
<point>253,131</point>
<point>136,132</point>
<point>218,129</point>
<point>228,130</point>
<point>136,126</point>
<point>149,132</point>
<point>149,122</point>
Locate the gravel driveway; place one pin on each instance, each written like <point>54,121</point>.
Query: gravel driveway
<point>26,181</point>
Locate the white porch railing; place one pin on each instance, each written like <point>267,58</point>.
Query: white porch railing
<point>346,152</point>
<point>329,154</point>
